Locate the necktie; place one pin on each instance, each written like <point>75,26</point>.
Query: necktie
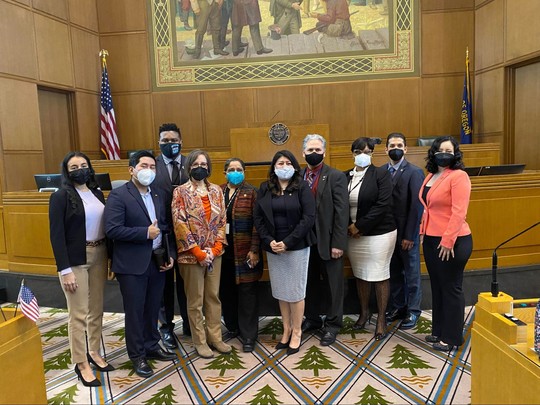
<point>309,178</point>
<point>175,178</point>
<point>392,170</point>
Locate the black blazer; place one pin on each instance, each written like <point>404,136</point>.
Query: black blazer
<point>374,212</point>
<point>126,224</point>
<point>162,185</point>
<point>407,206</point>
<point>332,217</point>
<point>301,218</point>
<point>67,226</point>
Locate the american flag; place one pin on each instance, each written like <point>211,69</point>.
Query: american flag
<point>28,303</point>
<point>109,140</point>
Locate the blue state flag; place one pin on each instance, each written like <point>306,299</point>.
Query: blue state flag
<point>466,108</point>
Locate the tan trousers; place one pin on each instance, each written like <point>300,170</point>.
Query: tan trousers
<point>202,292</point>
<point>85,305</point>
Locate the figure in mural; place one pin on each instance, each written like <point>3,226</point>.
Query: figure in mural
<point>184,6</point>
<point>247,12</point>
<point>226,11</point>
<point>287,19</point>
<point>208,14</point>
<point>337,20</point>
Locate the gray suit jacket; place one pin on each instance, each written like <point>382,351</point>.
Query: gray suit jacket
<point>332,218</point>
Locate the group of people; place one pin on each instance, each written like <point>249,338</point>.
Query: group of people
<point>169,226</point>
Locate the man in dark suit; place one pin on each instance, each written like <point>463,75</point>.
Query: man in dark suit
<point>325,274</point>
<point>405,286</point>
<point>169,175</point>
<point>134,221</point>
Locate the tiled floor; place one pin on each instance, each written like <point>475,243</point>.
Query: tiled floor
<point>355,370</point>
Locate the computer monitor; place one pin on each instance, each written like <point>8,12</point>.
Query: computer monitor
<point>103,181</point>
<point>502,169</point>
<point>473,170</point>
<point>48,182</point>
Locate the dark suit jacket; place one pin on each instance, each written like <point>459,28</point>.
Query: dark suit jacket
<point>162,185</point>
<point>374,212</point>
<point>331,220</point>
<point>126,223</point>
<point>68,227</point>
<point>407,206</point>
<point>300,219</point>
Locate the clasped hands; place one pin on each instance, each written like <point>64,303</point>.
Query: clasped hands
<point>209,259</point>
<point>278,247</point>
<point>353,231</point>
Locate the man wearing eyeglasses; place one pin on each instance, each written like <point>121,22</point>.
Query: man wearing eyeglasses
<point>170,174</point>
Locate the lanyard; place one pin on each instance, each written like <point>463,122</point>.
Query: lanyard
<point>232,198</point>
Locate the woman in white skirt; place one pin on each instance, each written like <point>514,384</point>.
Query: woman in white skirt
<point>372,231</point>
<point>284,217</point>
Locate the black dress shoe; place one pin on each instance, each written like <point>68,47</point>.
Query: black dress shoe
<point>142,368</point>
<point>249,345</point>
<point>169,340</point>
<point>328,338</point>
<point>230,334</point>
<point>94,383</point>
<point>264,50</point>
<point>220,52</point>
<point>395,314</point>
<point>310,326</point>
<point>443,347</point>
<point>432,339</point>
<point>161,355</point>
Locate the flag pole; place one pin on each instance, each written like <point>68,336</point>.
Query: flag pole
<point>18,298</point>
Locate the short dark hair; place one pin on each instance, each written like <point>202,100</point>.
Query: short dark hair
<point>234,159</point>
<point>431,166</point>
<point>169,127</point>
<point>273,181</point>
<point>396,135</point>
<point>361,143</point>
<point>192,157</point>
<point>136,157</point>
<point>66,181</point>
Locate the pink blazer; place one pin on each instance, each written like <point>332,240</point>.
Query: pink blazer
<point>446,208</point>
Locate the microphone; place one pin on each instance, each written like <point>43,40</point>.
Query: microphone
<point>494,283</point>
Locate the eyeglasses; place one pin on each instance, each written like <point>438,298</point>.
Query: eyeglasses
<point>232,170</point>
<point>195,165</point>
<point>358,152</point>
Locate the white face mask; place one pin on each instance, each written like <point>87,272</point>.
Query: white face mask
<point>146,176</point>
<point>284,173</point>
<point>362,160</point>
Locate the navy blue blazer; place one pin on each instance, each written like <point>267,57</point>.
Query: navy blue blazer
<point>374,212</point>
<point>300,215</point>
<point>407,206</point>
<point>126,224</point>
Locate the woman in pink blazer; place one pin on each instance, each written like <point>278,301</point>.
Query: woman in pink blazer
<point>446,239</point>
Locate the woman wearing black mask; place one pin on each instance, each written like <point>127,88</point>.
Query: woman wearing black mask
<point>78,242</point>
<point>446,239</point>
<point>199,219</point>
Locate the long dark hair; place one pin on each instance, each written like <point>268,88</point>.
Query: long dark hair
<point>273,181</point>
<point>66,181</point>
<point>431,166</point>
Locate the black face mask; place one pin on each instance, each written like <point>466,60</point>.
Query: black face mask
<point>313,159</point>
<point>170,150</point>
<point>396,154</point>
<point>199,173</point>
<point>444,159</point>
<point>80,176</point>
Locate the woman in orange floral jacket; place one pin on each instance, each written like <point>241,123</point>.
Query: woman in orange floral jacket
<point>199,218</point>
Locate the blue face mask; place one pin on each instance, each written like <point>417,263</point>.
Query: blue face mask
<point>284,173</point>
<point>235,178</point>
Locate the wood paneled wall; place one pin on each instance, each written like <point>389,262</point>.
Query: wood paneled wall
<point>506,35</point>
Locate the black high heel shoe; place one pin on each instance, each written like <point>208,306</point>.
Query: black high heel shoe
<point>361,325</point>
<point>106,369</point>
<point>281,345</point>
<point>94,383</point>
<point>380,335</point>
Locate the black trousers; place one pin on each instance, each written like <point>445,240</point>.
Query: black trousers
<point>141,295</point>
<point>166,312</point>
<point>324,291</point>
<point>446,279</point>
<point>239,302</point>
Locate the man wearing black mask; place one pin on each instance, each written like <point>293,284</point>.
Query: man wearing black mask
<point>324,292</point>
<point>169,175</point>
<point>405,287</point>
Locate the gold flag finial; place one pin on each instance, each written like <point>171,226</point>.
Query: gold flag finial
<point>466,53</point>
<point>103,54</point>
